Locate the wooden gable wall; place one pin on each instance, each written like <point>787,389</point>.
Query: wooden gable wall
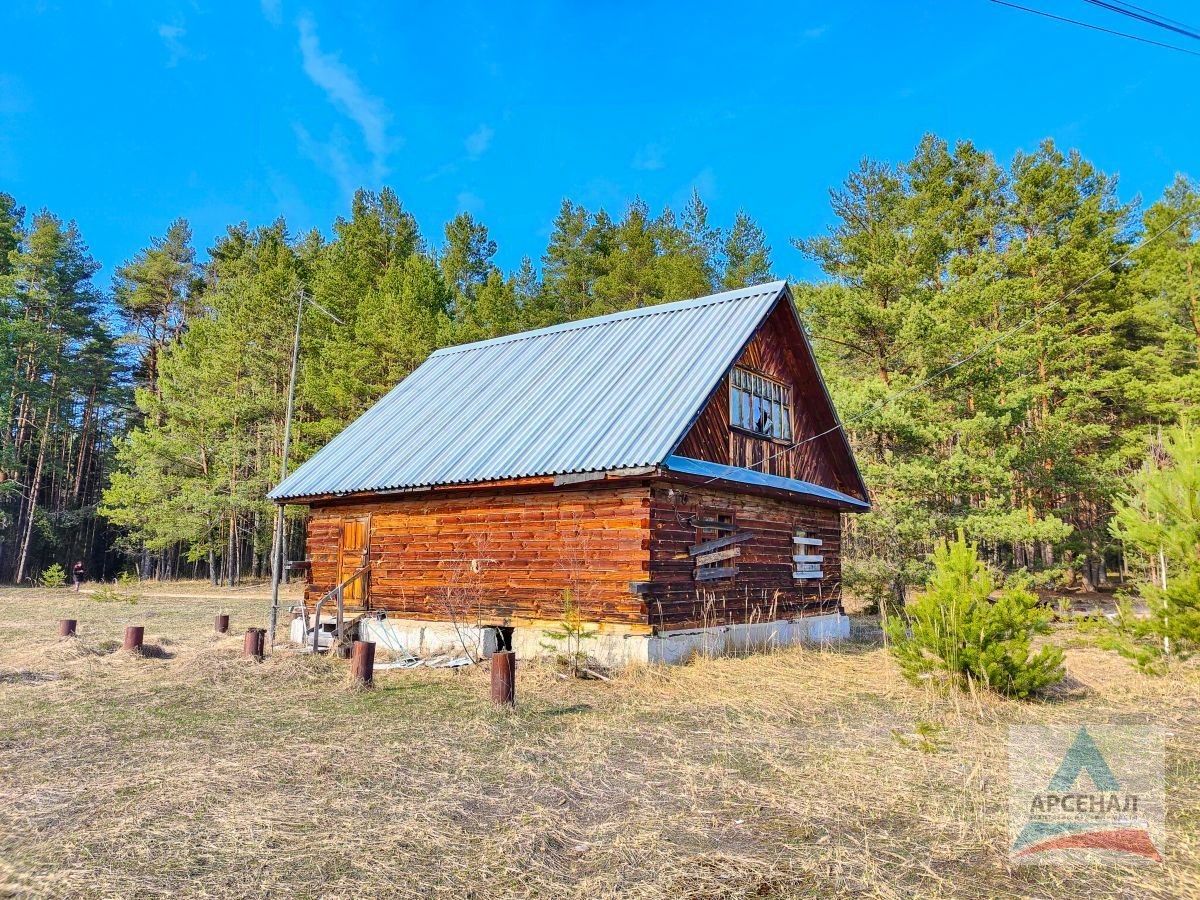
<point>777,350</point>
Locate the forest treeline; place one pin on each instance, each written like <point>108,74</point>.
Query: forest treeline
<point>146,418</point>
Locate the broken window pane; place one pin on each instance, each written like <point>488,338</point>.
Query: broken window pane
<point>760,404</point>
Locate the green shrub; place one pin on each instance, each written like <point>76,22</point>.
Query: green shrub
<point>106,594</point>
<point>54,576</point>
<point>955,628</point>
<point>572,632</point>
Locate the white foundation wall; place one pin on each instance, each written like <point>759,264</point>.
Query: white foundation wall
<point>675,647</point>
<point>419,638</point>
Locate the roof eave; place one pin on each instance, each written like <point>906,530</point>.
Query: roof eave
<point>702,472</point>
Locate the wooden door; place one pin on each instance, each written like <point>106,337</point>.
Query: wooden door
<point>353,556</point>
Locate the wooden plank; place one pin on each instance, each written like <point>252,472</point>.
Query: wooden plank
<point>577,478</point>
<point>808,542</point>
<point>808,559</point>
<point>717,556</point>
<point>718,543</point>
<point>714,525</point>
<point>581,477</point>
<point>714,574</point>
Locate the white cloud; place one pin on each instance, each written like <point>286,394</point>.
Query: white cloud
<point>172,37</point>
<point>469,202</point>
<point>334,158</point>
<point>478,141</point>
<point>704,181</point>
<point>649,158</point>
<point>272,11</point>
<point>341,86</point>
<point>811,34</point>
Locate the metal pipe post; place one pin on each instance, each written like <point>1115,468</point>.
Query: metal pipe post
<point>134,635</point>
<point>504,677</point>
<point>362,663</point>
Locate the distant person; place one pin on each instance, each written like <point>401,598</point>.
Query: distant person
<point>77,574</point>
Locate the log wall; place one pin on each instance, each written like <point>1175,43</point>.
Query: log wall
<point>495,556</point>
<point>763,588</point>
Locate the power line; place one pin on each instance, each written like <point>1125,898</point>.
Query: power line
<point>1145,15</point>
<point>1148,12</point>
<point>1003,336</point>
<point>1132,37</point>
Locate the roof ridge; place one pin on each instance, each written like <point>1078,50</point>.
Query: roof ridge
<point>729,296</point>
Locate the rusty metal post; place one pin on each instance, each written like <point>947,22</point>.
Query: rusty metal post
<point>362,663</point>
<point>222,624</point>
<point>134,634</point>
<point>252,644</point>
<point>504,677</point>
<point>66,627</point>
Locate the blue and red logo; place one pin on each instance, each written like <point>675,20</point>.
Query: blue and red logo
<point>1064,817</point>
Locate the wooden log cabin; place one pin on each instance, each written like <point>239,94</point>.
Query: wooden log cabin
<point>675,474</point>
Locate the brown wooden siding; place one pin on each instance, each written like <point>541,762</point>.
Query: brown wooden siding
<point>494,556</point>
<point>776,351</point>
<point>763,588</point>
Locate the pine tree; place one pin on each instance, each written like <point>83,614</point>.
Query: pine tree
<point>62,394</point>
<point>1021,445</point>
<point>575,258</point>
<point>1167,282</point>
<point>1158,520</point>
<point>956,628</point>
<point>157,292</point>
<point>193,476</point>
<point>466,257</point>
<point>747,256</point>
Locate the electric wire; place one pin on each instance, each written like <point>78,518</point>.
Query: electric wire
<point>1124,34</point>
<point>1145,15</point>
<point>983,348</point>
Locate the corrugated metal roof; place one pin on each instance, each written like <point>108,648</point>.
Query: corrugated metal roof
<point>605,393</point>
<point>689,466</point>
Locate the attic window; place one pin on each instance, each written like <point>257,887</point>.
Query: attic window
<point>760,404</point>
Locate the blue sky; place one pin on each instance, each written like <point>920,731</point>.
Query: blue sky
<point>127,115</point>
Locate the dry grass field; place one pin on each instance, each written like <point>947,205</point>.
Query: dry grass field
<point>191,771</point>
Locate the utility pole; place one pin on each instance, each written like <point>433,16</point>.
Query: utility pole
<point>277,540</point>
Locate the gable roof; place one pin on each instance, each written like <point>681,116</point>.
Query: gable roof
<point>613,392</point>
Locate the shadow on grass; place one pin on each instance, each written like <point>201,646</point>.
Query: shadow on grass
<point>22,676</point>
<point>155,651</point>
<point>568,710</point>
